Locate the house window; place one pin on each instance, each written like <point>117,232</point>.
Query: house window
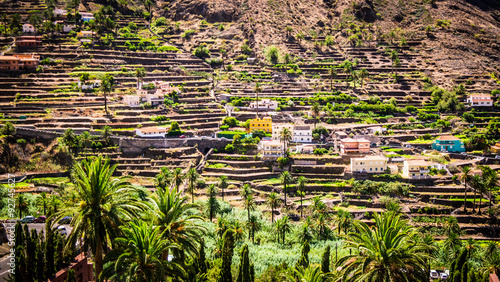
<point>376,169</point>
<point>370,169</point>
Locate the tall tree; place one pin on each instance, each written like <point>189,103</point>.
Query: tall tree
<point>389,251</point>
<point>138,255</point>
<point>304,258</point>
<point>285,179</point>
<point>22,205</point>
<point>43,201</point>
<point>244,269</point>
<point>106,133</point>
<point>222,184</point>
<point>192,176</point>
<point>490,179</point>
<point>316,110</point>
<point>325,260</point>
<point>212,204</point>
<point>253,226</point>
<point>164,178</point>
<point>177,177</point>
<point>301,185</point>
<point>465,177</point>
<point>227,257</point>
<point>105,202</point>
<point>332,72</point>
<point>107,86</point>
<point>285,137</point>
<point>140,74</point>
<point>347,67</point>
<point>363,73</point>
<point>248,200</point>
<point>283,227</point>
<point>273,201</point>
<point>177,220</point>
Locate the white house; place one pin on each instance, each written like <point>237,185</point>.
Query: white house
<point>89,85</point>
<point>86,17</point>
<point>480,100</point>
<point>151,132</point>
<point>264,104</point>
<point>278,127</point>
<point>141,92</point>
<point>132,100</point>
<point>415,169</point>
<point>60,12</point>
<point>28,28</point>
<point>270,149</point>
<point>375,129</point>
<point>68,27</point>
<point>302,134</point>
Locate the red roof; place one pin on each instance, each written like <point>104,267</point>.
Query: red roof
<point>447,138</point>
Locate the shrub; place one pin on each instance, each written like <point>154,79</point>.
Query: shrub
<point>161,21</point>
<point>188,33</point>
<point>167,49</point>
<point>230,121</point>
<point>229,148</point>
<point>174,126</point>
<point>201,51</point>
<point>272,54</point>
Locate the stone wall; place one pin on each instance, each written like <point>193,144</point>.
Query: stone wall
<point>83,271</point>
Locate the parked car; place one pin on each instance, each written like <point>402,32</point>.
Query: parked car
<point>434,274</point>
<point>28,219</point>
<point>182,136</point>
<point>444,276</point>
<point>41,219</point>
<point>65,220</point>
<point>62,230</point>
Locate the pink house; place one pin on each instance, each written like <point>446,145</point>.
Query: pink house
<point>354,146</point>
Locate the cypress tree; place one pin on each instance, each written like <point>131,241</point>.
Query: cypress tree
<point>227,257</point>
<point>30,246</point>
<point>49,251</point>
<point>202,261</point>
<point>244,271</point>
<point>19,268</point>
<point>252,272</point>
<point>465,270</point>
<point>325,260</point>
<point>71,276</point>
<point>304,259</point>
<point>40,257</point>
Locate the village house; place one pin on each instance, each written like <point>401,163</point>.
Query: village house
<point>28,28</point>
<point>369,164</point>
<point>164,88</point>
<point>375,129</point>
<point>495,149</point>
<point>480,100</point>
<point>354,146</point>
<point>448,143</point>
<point>278,128</point>
<point>86,17</point>
<point>28,41</point>
<point>18,62</point>
<point>271,149</point>
<point>85,34</point>
<point>415,169</point>
<point>68,27</point>
<point>60,12</point>
<point>264,104</point>
<point>154,99</point>
<point>302,134</point>
<point>132,100</point>
<point>265,124</point>
<point>89,85</point>
<point>151,132</point>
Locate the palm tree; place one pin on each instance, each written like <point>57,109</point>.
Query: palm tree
<point>387,252</point>
<point>140,73</point>
<point>248,200</point>
<point>285,179</point>
<point>285,137</point>
<point>177,177</point>
<point>318,206</point>
<point>322,226</point>
<point>137,256</point>
<point>476,184</point>
<point>347,67</point>
<point>106,133</point>
<point>257,89</point>
<point>490,179</point>
<point>253,226</point>
<point>22,204</point>
<point>192,177</point>
<point>282,227</point>
<point>213,204</point>
<point>465,177</point>
<point>85,140</point>
<point>107,84</point>
<point>177,221</point>
<point>43,202</point>
<point>222,184</point>
<point>237,228</point>
<point>363,73</point>
<point>315,110</point>
<point>308,274</point>
<point>105,203</point>
<point>343,220</point>
<point>54,204</point>
<point>273,201</point>
<point>301,185</point>
<point>332,72</point>
<point>164,178</point>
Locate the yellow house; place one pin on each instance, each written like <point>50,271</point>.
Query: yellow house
<point>369,164</point>
<point>270,149</point>
<point>415,169</point>
<point>495,149</point>
<point>265,124</point>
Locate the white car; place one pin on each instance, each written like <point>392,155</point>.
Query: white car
<point>62,230</point>
<point>444,276</point>
<point>434,274</point>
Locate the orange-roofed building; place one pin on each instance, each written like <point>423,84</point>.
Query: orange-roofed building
<point>480,100</point>
<point>354,146</point>
<point>448,143</point>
